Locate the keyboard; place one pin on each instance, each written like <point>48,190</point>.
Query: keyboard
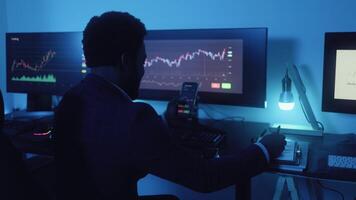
<point>21,125</point>
<point>16,127</point>
<point>200,138</point>
<point>203,138</point>
<point>342,162</point>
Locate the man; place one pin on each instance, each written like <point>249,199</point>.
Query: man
<point>106,142</point>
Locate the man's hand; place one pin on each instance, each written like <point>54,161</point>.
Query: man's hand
<point>274,144</point>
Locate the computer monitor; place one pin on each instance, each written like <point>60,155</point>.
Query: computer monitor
<point>339,81</point>
<point>44,63</point>
<point>228,64</point>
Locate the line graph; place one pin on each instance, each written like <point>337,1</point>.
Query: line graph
<point>186,57</point>
<point>169,63</point>
<point>43,62</point>
<point>171,84</point>
<point>37,67</point>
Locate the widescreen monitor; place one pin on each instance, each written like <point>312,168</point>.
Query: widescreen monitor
<point>228,64</point>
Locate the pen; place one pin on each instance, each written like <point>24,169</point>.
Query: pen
<point>260,136</point>
<point>278,129</point>
<point>263,133</point>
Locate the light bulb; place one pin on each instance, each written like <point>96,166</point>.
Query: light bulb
<point>286,100</point>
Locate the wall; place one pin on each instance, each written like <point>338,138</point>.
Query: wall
<point>296,35</point>
<point>3,22</point>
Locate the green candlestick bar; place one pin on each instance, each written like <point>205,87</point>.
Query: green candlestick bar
<point>42,79</point>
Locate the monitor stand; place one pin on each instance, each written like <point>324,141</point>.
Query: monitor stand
<point>39,102</point>
<point>38,107</point>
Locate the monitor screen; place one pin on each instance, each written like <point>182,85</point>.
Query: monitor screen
<point>44,63</point>
<point>339,84</point>
<point>228,64</point>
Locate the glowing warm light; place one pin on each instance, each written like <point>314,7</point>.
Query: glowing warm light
<point>286,106</point>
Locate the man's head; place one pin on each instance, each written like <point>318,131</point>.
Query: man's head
<point>116,39</point>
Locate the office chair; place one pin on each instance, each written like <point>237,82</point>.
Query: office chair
<point>16,182</point>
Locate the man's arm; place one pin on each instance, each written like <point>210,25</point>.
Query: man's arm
<point>208,175</point>
<point>154,152</point>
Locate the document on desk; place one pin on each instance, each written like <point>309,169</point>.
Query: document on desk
<point>289,153</point>
<point>290,160</point>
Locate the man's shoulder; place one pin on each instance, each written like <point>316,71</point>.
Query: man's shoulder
<point>86,89</point>
<point>72,95</point>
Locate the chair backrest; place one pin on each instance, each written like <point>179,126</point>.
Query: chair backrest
<point>13,174</point>
<point>15,182</point>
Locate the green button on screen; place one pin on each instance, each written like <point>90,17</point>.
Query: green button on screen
<point>226,86</point>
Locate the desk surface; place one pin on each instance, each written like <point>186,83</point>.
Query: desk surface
<point>239,135</point>
<point>319,149</point>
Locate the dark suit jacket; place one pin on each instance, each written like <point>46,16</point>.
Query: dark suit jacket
<point>105,143</point>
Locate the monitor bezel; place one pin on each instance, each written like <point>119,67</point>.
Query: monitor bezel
<point>333,42</point>
<point>37,89</point>
<point>254,46</point>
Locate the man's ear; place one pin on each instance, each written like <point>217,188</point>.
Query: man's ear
<point>124,62</point>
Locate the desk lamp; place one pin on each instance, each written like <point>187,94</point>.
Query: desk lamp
<point>286,102</point>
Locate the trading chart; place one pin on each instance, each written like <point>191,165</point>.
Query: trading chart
<point>21,67</point>
<point>44,61</point>
<point>215,64</point>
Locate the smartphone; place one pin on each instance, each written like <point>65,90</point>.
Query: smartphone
<point>186,106</point>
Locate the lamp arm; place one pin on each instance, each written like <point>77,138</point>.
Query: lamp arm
<point>308,111</point>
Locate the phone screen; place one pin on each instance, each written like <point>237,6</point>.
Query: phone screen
<point>189,91</point>
<point>188,95</point>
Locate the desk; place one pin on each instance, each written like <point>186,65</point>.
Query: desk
<point>28,144</point>
<point>21,127</point>
<point>239,135</point>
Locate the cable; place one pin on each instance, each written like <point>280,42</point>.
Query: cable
<point>331,189</point>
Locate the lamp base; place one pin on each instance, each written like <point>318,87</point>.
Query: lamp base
<point>295,129</point>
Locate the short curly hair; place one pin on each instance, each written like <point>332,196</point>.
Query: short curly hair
<point>108,36</point>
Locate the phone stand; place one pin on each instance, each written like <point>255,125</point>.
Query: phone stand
<point>180,114</point>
